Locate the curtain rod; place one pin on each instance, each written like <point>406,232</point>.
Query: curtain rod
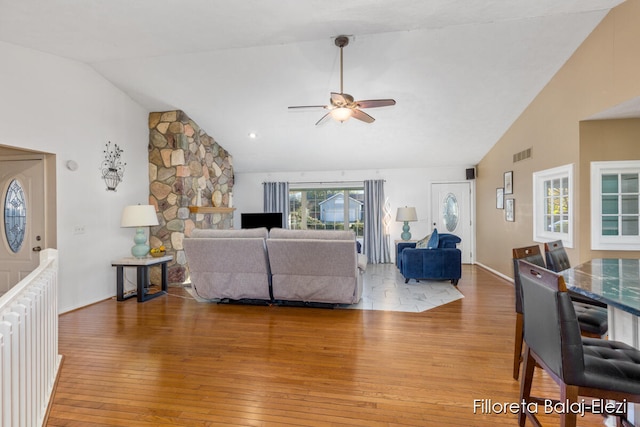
<point>329,182</point>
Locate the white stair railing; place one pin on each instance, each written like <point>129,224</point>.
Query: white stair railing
<point>29,359</point>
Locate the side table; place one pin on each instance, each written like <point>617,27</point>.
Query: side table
<point>396,242</point>
<point>142,266</point>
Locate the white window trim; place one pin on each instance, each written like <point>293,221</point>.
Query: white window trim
<point>598,241</point>
<point>540,234</point>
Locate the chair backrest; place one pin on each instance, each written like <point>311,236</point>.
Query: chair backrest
<point>531,254</point>
<point>557,258</point>
<point>551,327</point>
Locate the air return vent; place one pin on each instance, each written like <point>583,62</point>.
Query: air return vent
<point>524,154</point>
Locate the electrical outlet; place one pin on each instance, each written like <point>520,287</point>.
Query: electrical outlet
<point>78,229</point>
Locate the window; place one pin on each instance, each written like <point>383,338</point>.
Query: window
<point>15,216</point>
<point>615,212</point>
<point>327,209</point>
<point>553,205</point>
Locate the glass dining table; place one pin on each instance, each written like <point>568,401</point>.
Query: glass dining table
<point>616,282</point>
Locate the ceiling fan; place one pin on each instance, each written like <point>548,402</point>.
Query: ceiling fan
<point>342,105</point>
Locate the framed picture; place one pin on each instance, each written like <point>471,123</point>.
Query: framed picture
<point>500,198</point>
<point>510,210</point>
<point>508,182</point>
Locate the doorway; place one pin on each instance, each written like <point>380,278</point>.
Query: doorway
<point>451,212</point>
<point>27,225</point>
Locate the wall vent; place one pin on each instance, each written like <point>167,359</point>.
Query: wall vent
<point>524,154</point>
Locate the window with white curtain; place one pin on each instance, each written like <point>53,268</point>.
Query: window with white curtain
<point>615,205</point>
<point>553,205</point>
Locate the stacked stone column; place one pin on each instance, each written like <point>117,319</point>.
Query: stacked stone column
<point>186,166</point>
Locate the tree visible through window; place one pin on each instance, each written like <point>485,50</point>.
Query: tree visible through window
<point>552,205</point>
<point>327,209</point>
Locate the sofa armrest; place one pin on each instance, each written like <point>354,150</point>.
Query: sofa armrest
<point>362,262</point>
<point>399,248</point>
<point>403,245</point>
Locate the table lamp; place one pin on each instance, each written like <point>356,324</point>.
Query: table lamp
<point>406,214</point>
<point>139,216</point>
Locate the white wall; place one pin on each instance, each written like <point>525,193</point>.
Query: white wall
<point>63,107</point>
<point>403,187</point>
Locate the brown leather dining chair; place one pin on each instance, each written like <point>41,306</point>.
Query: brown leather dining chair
<point>556,256</point>
<point>558,260</point>
<point>581,366</point>
<point>593,321</point>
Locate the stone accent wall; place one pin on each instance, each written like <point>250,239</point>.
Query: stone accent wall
<point>184,162</point>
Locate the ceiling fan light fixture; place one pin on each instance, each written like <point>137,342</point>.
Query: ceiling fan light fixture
<point>341,114</point>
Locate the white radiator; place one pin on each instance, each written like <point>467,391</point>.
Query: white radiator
<point>29,359</point>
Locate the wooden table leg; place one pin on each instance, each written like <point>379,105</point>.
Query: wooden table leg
<point>142,282</point>
<point>164,276</point>
<point>120,283</point>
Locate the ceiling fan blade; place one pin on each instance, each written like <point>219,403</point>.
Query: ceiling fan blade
<point>307,106</point>
<point>341,99</point>
<point>372,103</point>
<point>323,119</point>
<point>361,115</point>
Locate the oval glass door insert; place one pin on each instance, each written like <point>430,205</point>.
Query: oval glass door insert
<point>450,212</point>
<point>15,216</point>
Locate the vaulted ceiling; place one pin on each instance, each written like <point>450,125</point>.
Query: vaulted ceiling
<point>460,71</point>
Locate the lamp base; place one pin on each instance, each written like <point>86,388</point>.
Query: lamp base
<point>140,249</point>
<point>405,231</point>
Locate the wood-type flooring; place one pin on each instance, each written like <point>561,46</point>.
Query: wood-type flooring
<point>173,361</point>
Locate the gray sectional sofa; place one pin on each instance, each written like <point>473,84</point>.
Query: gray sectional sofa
<point>280,266</point>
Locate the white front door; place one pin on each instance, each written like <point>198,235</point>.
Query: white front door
<point>19,250</point>
<point>451,213</point>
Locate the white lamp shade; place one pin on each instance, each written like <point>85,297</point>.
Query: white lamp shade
<point>406,214</point>
<point>139,216</point>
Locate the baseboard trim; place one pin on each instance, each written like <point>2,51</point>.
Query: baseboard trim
<point>497,273</point>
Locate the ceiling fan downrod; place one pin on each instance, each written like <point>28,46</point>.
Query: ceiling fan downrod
<point>341,41</point>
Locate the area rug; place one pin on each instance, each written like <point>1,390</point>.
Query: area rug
<point>384,289</point>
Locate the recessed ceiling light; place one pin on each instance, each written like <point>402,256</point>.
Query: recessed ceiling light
<point>253,135</point>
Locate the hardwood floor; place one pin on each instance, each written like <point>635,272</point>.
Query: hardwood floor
<point>175,362</point>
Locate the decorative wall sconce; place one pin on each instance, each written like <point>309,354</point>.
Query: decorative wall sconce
<point>112,166</point>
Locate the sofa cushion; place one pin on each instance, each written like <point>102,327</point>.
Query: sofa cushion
<point>230,234</point>
<point>283,233</point>
<point>423,243</point>
<point>234,268</point>
<point>433,240</point>
<point>314,270</point>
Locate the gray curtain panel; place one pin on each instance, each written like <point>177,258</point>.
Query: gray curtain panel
<point>276,199</point>
<point>376,243</point>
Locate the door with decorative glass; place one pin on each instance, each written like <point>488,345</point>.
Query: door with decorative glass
<point>22,227</point>
<point>451,213</point>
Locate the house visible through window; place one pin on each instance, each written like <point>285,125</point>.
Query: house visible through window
<point>615,205</point>
<point>327,209</point>
<point>553,205</point>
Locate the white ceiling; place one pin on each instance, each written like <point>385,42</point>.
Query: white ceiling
<point>460,71</point>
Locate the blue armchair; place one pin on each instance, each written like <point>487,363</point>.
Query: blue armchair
<point>441,263</point>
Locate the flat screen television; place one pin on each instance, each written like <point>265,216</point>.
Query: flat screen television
<point>257,220</point>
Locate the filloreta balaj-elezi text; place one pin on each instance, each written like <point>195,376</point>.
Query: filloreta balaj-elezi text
<point>548,406</point>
